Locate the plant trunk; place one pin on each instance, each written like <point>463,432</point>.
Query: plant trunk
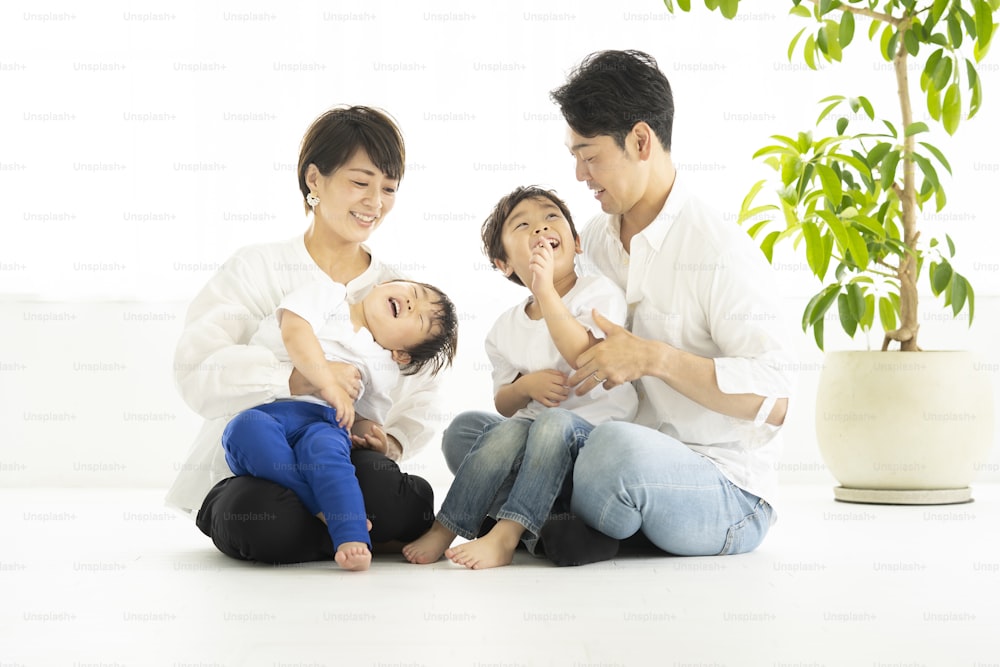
<point>906,334</point>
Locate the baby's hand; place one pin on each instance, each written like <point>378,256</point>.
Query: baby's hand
<point>341,402</point>
<point>366,434</point>
<point>548,387</point>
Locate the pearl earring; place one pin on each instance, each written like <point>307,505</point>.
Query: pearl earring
<point>312,200</point>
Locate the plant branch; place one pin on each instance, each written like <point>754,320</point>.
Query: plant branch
<point>878,16</point>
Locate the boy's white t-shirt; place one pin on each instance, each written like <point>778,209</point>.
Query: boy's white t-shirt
<point>518,345</point>
<point>323,304</point>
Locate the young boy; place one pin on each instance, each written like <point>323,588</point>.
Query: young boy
<point>531,238</point>
<point>304,444</point>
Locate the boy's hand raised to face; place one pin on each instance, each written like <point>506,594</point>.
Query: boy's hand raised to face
<point>542,266</point>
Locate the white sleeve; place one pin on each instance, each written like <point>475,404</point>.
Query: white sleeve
<point>217,373</point>
<point>415,402</point>
<point>503,371</point>
<point>603,295</point>
<point>314,302</point>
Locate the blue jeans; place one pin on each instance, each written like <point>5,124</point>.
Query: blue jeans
<point>300,446</point>
<point>630,478</point>
<point>533,458</point>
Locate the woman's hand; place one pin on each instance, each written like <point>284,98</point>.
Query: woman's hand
<point>367,434</point>
<point>344,375</point>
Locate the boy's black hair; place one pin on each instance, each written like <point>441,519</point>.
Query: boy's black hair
<point>492,231</point>
<point>610,91</point>
<point>439,349</point>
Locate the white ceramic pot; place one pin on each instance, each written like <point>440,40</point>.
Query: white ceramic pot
<point>904,427</point>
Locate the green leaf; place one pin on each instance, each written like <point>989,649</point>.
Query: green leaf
<point>888,169</point>
<point>859,250</point>
<point>865,104</point>
<point>934,102</point>
<point>940,276</point>
<point>891,127</point>
<point>954,30</point>
<point>915,128</point>
<point>729,7</point>
<point>984,23</point>
<point>832,32</point>
<point>856,301</point>
<point>791,45</point>
<point>911,42</point>
<point>818,333</point>
<point>670,5</point>
<point>886,313</point>
<point>847,319</point>
<point>929,68</point>
<point>884,42</point>
<point>951,111</point>
<point>826,111</point>
<point>928,169</point>
<point>869,226</point>
<point>799,10</point>
<point>846,33</point>
<point>685,5</point>
<point>938,9</point>
<point>814,247</point>
<point>767,246</point>
<point>842,125</point>
<point>831,184</point>
<point>977,98</point>
<point>868,318</point>
<point>937,154</point>
<point>876,154</point>
<point>942,73</point>
<point>951,245</point>
<point>971,296</point>
<point>958,294</point>
<point>809,52</point>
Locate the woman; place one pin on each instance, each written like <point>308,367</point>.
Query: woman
<point>350,164</point>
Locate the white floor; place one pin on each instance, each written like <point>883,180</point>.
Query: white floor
<point>110,577</point>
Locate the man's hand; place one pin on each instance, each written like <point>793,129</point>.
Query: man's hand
<point>548,387</point>
<point>619,358</point>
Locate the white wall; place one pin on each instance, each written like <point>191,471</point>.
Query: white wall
<point>141,147</point>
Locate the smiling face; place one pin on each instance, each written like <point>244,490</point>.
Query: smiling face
<point>535,221</point>
<point>354,199</point>
<point>401,315</point>
<point>613,174</point>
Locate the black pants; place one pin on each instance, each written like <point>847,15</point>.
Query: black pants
<point>254,519</point>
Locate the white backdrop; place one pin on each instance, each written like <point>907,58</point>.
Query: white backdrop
<point>139,147</point>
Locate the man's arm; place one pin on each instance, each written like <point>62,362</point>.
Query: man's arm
<point>623,357</point>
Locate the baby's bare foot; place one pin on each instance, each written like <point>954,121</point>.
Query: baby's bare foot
<point>353,556</point>
<point>429,547</point>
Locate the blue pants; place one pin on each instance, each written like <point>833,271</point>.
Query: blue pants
<point>298,445</point>
<point>539,454</point>
<point>630,478</point>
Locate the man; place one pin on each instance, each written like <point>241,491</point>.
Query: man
<point>705,344</point>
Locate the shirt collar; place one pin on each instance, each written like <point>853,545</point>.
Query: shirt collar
<point>656,231</point>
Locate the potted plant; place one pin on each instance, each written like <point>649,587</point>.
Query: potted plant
<point>900,426</point>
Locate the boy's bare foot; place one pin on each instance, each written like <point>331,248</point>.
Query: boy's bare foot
<point>494,549</point>
<point>353,556</point>
<point>429,547</point>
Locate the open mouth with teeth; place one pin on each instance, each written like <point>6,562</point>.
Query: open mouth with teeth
<point>364,218</point>
<point>394,307</point>
<point>552,242</point>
